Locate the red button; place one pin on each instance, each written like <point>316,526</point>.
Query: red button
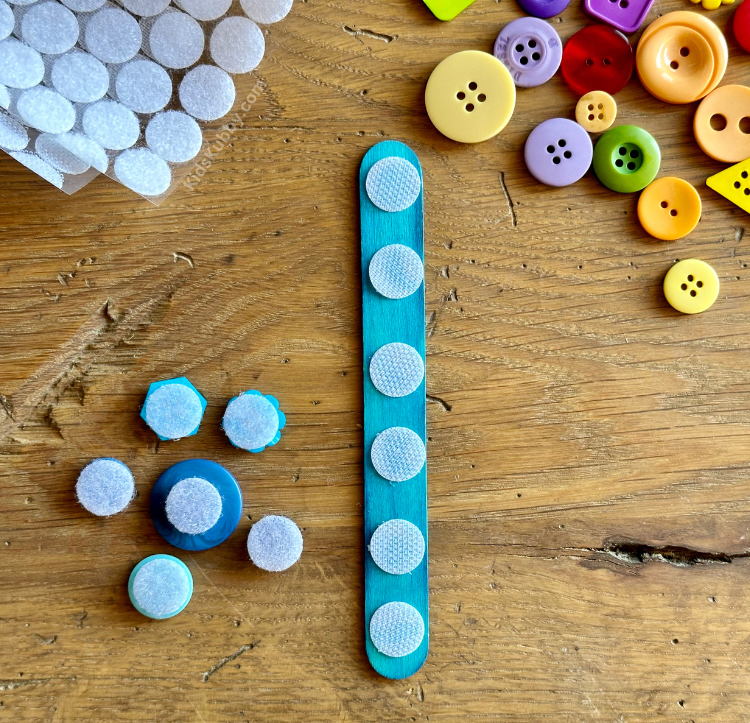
<point>597,58</point>
<point>741,25</point>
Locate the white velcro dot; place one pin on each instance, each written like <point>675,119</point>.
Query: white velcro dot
<point>7,20</point>
<point>86,149</point>
<point>174,136</point>
<point>266,11</point>
<point>161,587</point>
<point>84,6</point>
<point>105,487</point>
<point>50,28</point>
<point>173,410</point>
<point>396,271</point>
<point>274,543</point>
<point>250,421</point>
<point>80,77</point>
<point>46,110</point>
<point>22,2</point>
<point>4,97</point>
<point>142,171</point>
<point>204,9</point>
<point>193,506</point>
<point>393,184</point>
<point>176,40</point>
<point>58,156</point>
<point>145,8</point>
<point>40,167</point>
<point>111,125</point>
<point>397,547</point>
<point>396,629</point>
<point>396,369</point>
<point>20,65</point>
<point>207,92</point>
<point>398,454</point>
<point>113,35</point>
<point>237,45</point>
<point>13,135</point>
<point>143,86</point>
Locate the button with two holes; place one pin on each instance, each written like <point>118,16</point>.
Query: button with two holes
<point>669,208</point>
<point>530,49</point>
<point>596,111</point>
<point>470,96</point>
<point>625,15</point>
<point>597,58</point>
<point>722,124</point>
<point>558,152</point>
<point>691,286</point>
<point>626,159</point>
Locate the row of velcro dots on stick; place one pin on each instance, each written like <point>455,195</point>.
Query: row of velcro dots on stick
<point>99,80</point>
<point>398,454</point>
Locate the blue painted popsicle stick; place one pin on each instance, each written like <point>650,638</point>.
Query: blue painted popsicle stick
<point>384,321</point>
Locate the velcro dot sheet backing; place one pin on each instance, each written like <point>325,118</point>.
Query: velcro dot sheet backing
<point>101,70</point>
<point>160,586</point>
<point>274,543</point>
<point>105,487</point>
<point>393,336</point>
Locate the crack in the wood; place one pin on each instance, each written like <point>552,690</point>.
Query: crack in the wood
<point>509,201</point>
<point>13,684</point>
<point>185,257</point>
<point>368,34</point>
<point>46,641</point>
<point>228,659</point>
<point>440,402</point>
<point>636,553</point>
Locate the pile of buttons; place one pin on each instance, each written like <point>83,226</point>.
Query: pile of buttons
<point>680,58</point>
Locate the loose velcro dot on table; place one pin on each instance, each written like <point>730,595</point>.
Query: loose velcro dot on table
<point>397,547</point>
<point>34,163</point>
<point>113,35</point>
<point>20,65</point>
<point>396,369</point>
<point>207,92</point>
<point>46,110</point>
<point>396,271</point>
<point>143,86</point>
<point>86,149</point>
<point>398,454</point>
<point>204,9</point>
<point>59,157</point>
<point>193,506</point>
<point>173,410</point>
<point>80,77</point>
<point>105,487</point>
<point>160,586</point>
<point>266,12</point>
<point>111,125</point>
<point>237,45</point>
<point>252,421</point>
<point>274,543</point>
<point>393,184</point>
<point>174,136</point>
<point>50,28</point>
<point>396,629</point>
<point>176,40</point>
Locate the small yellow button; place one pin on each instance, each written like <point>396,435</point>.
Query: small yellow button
<point>470,96</point>
<point>596,111</point>
<point>669,208</point>
<point>691,286</point>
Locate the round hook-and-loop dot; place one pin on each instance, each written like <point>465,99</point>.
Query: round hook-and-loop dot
<point>398,454</point>
<point>396,369</point>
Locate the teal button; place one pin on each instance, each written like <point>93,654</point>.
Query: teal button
<point>626,159</point>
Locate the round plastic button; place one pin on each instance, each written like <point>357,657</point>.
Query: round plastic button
<point>691,286</point>
<point>597,58</point>
<point>722,124</point>
<point>675,64</point>
<point>626,159</point>
<point>741,25</point>
<point>558,152</point>
<point>596,111</point>
<point>470,96</point>
<point>543,8</point>
<point>669,208</point>
<point>530,49</point>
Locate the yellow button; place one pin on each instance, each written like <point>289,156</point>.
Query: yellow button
<point>669,208</point>
<point>470,96</point>
<point>691,286</point>
<point>596,111</point>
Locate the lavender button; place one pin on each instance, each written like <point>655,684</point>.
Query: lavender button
<point>530,49</point>
<point>543,8</point>
<point>558,152</point>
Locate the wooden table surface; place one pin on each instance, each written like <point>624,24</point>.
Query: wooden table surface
<point>588,446</point>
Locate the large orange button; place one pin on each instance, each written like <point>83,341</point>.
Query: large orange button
<point>669,208</point>
<point>675,64</point>
<point>722,124</point>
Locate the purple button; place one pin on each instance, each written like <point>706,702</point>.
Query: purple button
<point>625,15</point>
<point>543,8</point>
<point>530,49</point>
<point>558,152</point>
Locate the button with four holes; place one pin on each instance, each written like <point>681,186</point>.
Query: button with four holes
<point>669,208</point>
<point>530,49</point>
<point>722,124</point>
<point>625,15</point>
<point>596,111</point>
<point>543,8</point>
<point>626,159</point>
<point>597,58</point>
<point>691,286</point>
<point>470,96</point>
<point>558,152</point>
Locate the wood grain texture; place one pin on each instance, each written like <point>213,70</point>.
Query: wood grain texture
<point>572,412</point>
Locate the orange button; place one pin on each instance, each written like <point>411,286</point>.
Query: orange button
<point>722,124</point>
<point>669,208</point>
<point>675,64</point>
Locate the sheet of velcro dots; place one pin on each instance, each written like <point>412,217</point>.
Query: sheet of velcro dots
<point>123,88</point>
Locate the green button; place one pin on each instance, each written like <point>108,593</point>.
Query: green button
<point>447,9</point>
<point>626,159</point>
